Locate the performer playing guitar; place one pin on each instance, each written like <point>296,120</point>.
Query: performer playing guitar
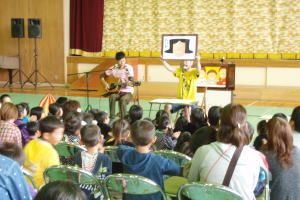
<point>124,73</point>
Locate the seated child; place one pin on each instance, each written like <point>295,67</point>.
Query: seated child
<point>261,139</point>
<point>166,139</point>
<point>12,181</point>
<point>121,132</point>
<point>72,124</point>
<point>55,110</point>
<point>16,153</point>
<point>40,154</point>
<point>92,160</point>
<point>27,109</point>
<point>142,162</point>
<point>37,113</point>
<point>33,130</point>
<point>21,124</point>
<point>102,119</point>
<point>9,132</point>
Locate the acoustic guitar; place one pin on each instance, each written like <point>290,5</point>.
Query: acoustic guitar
<point>115,85</point>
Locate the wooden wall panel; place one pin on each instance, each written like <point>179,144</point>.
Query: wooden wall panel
<point>50,47</point>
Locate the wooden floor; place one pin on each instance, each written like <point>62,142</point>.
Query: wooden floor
<point>65,91</point>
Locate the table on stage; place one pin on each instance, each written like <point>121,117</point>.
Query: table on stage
<point>171,101</point>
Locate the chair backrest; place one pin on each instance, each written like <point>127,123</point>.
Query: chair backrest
<point>131,184</point>
<point>67,150</point>
<point>179,158</point>
<point>111,151</point>
<point>207,191</point>
<point>69,173</point>
<point>29,176</point>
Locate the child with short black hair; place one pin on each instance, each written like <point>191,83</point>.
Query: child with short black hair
<point>40,154</point>
<point>27,109</point>
<point>166,138</point>
<point>33,130</point>
<point>102,119</point>
<point>73,123</point>
<point>21,124</point>
<point>92,160</point>
<point>55,110</point>
<point>37,113</point>
<point>261,139</point>
<point>135,113</point>
<point>142,162</point>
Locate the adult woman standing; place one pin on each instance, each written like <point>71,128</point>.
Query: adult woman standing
<point>284,161</point>
<point>210,162</point>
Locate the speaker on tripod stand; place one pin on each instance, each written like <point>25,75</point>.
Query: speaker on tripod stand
<point>17,31</point>
<point>35,31</point>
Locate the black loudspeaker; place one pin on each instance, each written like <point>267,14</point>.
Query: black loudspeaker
<point>34,28</point>
<point>17,28</point>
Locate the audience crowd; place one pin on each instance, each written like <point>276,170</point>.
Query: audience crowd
<point>212,140</point>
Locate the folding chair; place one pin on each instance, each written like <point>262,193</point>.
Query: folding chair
<point>84,179</point>
<point>67,151</point>
<point>173,183</point>
<point>207,191</point>
<point>132,185</point>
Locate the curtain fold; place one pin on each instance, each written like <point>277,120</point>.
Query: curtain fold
<point>86,27</point>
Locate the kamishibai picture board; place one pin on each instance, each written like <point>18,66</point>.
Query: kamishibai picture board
<point>217,76</point>
<point>179,46</point>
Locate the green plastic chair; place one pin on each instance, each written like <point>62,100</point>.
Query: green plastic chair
<point>80,177</point>
<point>179,158</point>
<point>67,150</point>
<point>130,184</point>
<point>207,191</point>
<point>173,183</point>
<point>111,151</point>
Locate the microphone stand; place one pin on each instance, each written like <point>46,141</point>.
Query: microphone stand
<point>87,74</point>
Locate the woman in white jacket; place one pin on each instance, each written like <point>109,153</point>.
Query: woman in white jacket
<point>210,162</point>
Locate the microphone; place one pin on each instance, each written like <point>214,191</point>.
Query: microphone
<point>222,59</point>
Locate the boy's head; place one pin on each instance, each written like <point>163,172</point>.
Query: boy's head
<point>72,123</point>
<point>250,130</point>
<point>61,100</point>
<point>52,129</point>
<point>102,117</point>
<point>26,106</point>
<point>143,133</point>
<point>295,119</point>
<point>163,123</point>
<point>4,98</point>
<point>121,59</point>
<point>55,109</point>
<point>38,112</point>
<point>13,151</point>
<point>90,135</point>
<point>21,111</point>
<point>32,128</point>
<point>262,127</point>
<point>70,106</point>
<point>8,112</point>
<point>88,118</point>
<point>135,113</point>
<point>214,114</point>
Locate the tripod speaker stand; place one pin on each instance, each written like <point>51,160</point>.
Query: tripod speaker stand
<point>36,72</point>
